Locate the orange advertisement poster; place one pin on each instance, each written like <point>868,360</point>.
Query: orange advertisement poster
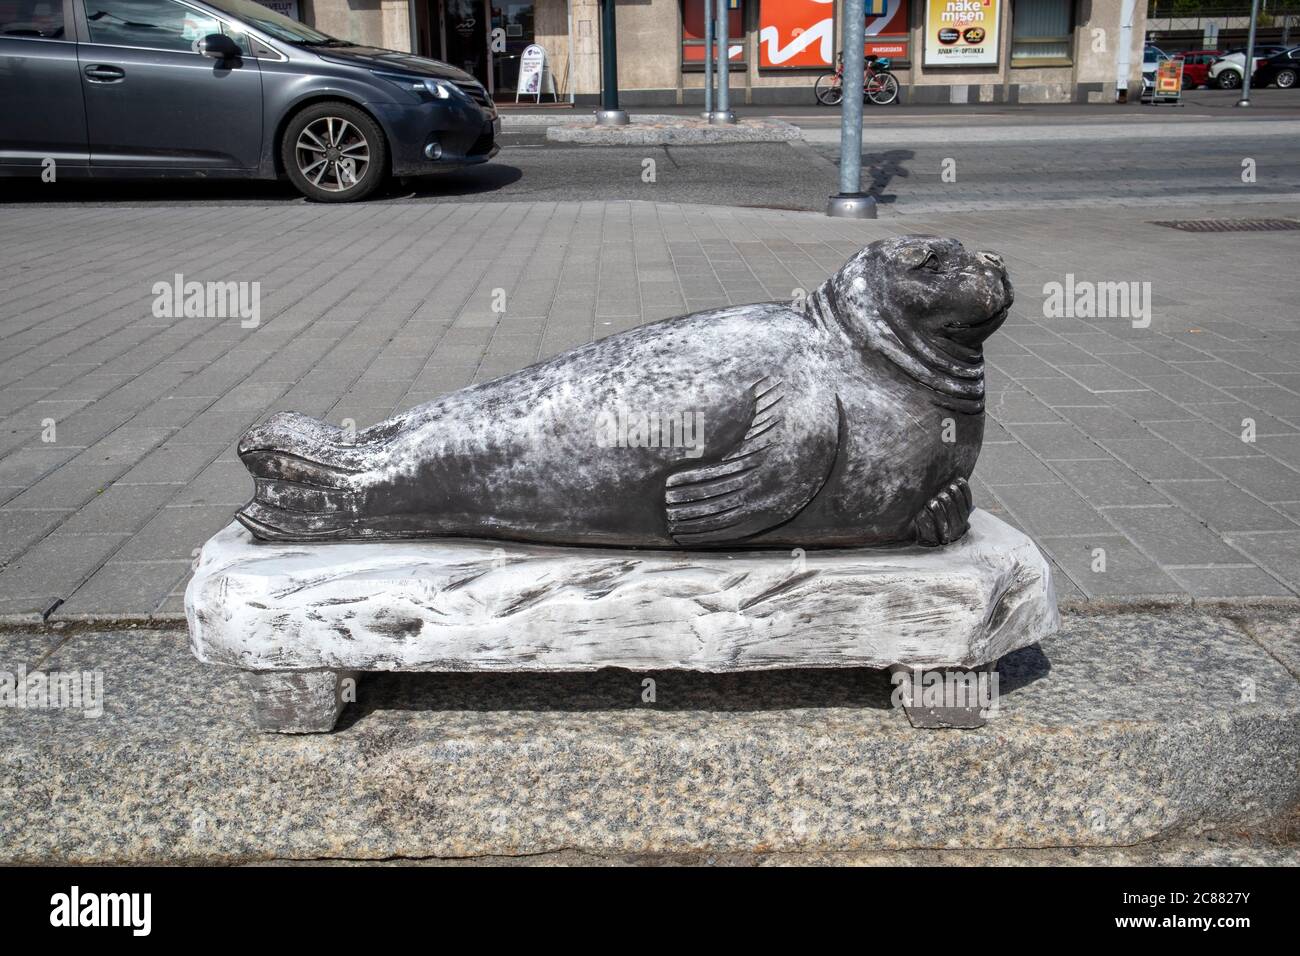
<point>1169,78</point>
<point>801,33</point>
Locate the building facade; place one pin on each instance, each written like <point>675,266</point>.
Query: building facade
<point>944,51</point>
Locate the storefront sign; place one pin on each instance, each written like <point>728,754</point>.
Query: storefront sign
<point>887,29</point>
<point>961,32</point>
<point>801,33</point>
<point>286,8</point>
<point>693,48</point>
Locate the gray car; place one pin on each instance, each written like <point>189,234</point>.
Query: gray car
<point>224,88</point>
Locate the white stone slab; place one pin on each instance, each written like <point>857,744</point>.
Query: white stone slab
<point>461,605</point>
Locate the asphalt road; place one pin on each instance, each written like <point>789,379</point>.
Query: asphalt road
<point>1169,155</point>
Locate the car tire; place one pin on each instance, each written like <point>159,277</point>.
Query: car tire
<point>334,152</point>
<point>1229,80</point>
<point>1285,79</point>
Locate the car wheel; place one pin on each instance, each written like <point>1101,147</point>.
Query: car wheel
<point>334,152</point>
<point>1285,79</point>
<point>1229,80</point>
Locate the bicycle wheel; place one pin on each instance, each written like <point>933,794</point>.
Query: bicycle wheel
<point>882,89</point>
<point>828,89</point>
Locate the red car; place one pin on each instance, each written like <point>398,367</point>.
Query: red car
<point>1196,66</point>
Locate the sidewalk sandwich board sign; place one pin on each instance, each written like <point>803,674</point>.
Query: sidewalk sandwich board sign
<point>1169,81</point>
<point>532,73</point>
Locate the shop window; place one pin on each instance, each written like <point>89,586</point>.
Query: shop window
<point>1042,32</point>
<point>693,49</point>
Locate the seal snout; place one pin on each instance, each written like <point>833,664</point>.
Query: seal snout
<point>995,261</point>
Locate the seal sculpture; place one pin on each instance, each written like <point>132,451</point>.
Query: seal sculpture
<point>852,421</point>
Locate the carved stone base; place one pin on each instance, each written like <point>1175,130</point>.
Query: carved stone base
<point>948,698</point>
<point>300,702</point>
<point>461,605</point>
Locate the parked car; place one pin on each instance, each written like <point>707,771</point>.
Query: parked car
<point>225,88</point>
<point>1281,69</point>
<point>1196,66</point>
<point>1226,72</point>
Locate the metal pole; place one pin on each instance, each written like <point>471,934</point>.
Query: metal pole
<point>708,58</point>
<point>1248,65</point>
<point>609,114</point>
<point>851,202</point>
<point>568,66</point>
<point>722,112</point>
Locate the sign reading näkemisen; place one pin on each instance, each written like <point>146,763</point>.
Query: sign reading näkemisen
<point>961,32</point>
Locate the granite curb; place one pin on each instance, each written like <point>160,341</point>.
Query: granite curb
<point>1119,730</point>
<point>651,130</point>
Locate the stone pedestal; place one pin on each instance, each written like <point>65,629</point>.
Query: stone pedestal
<point>462,605</point>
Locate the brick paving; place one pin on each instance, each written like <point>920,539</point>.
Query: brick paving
<point>1101,435</point>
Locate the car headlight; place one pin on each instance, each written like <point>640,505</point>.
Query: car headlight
<point>437,89</point>
<point>420,85</point>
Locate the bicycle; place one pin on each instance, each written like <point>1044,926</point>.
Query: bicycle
<point>878,84</point>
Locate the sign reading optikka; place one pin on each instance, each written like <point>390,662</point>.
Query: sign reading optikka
<point>962,32</point>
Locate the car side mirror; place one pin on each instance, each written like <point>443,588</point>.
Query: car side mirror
<point>220,47</point>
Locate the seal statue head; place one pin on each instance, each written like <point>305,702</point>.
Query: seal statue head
<point>925,303</point>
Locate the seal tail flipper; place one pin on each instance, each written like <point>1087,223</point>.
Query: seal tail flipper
<point>305,478</point>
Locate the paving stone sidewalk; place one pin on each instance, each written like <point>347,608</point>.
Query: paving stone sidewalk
<point>1105,441</point>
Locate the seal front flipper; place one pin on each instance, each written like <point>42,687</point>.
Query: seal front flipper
<point>946,516</point>
<point>771,475</point>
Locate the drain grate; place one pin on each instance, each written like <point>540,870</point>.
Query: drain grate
<point>1231,225</point>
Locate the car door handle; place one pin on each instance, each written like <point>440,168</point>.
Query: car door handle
<point>104,74</point>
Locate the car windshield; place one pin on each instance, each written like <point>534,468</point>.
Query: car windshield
<point>275,24</point>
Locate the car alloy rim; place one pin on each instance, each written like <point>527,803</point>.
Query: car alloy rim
<point>1286,79</point>
<point>332,154</point>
